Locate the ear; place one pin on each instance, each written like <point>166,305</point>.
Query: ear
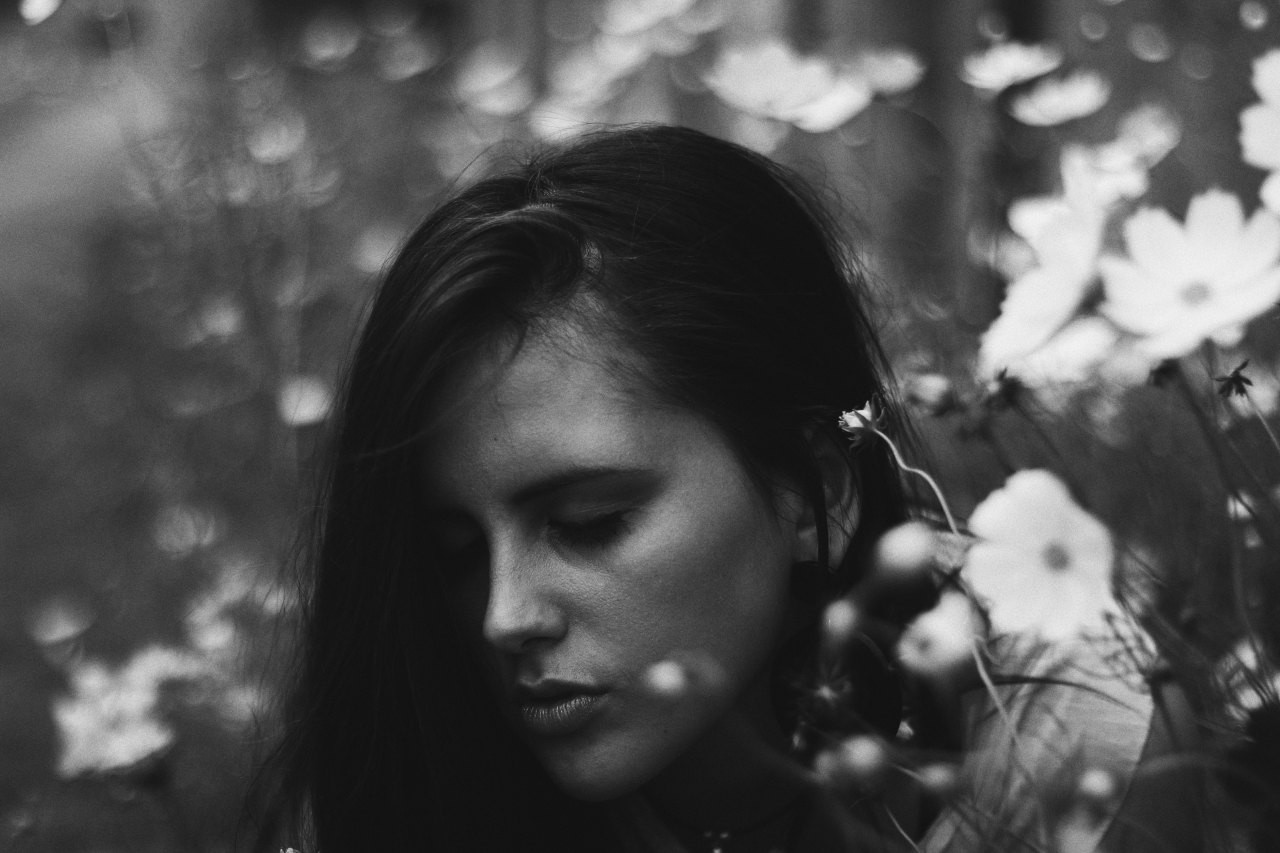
<point>843,509</point>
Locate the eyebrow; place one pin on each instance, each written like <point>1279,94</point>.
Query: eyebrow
<point>574,476</point>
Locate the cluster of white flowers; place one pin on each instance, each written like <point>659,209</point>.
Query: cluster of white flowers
<point>1038,336</point>
<point>816,94</point>
<point>109,722</point>
<point>1106,290</point>
<point>1176,285</point>
<point>586,79</point>
<point>1260,126</point>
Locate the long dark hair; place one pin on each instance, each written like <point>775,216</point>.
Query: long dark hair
<point>726,289</point>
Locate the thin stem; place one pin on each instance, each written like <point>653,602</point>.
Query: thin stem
<point>920,472</point>
<point>1010,724</point>
<point>1262,420</point>
<point>905,836</point>
<point>1239,597</point>
<point>995,699</point>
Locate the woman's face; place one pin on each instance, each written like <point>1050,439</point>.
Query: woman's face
<point>591,533</point>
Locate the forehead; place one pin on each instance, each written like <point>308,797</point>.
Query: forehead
<point>560,398</point>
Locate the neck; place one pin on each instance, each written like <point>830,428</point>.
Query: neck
<point>736,773</point>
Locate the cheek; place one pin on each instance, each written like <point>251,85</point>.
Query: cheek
<point>717,575</point>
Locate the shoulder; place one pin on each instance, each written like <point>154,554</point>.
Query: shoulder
<point>1048,717</point>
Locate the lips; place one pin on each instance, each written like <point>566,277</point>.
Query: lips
<point>550,708</point>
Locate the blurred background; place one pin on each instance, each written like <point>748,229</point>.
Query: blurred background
<point>197,195</point>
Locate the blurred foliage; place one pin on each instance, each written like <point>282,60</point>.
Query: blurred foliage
<point>196,196</point>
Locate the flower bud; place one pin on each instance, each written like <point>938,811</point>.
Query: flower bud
<point>907,550</point>
<point>939,644</point>
<point>903,580</point>
<point>861,760</point>
<point>839,625</point>
<point>940,779</point>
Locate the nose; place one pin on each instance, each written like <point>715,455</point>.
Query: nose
<point>522,609</point>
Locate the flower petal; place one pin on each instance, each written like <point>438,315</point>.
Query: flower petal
<point>1256,250</point>
<point>1015,513</point>
<point>1260,135</point>
<point>1036,305</point>
<point>1270,192</point>
<point>1157,243</point>
<point>1214,224</point>
<point>1266,76</point>
<point>1136,301</point>
<point>1071,356</point>
<point>847,97</point>
<point>1220,315</point>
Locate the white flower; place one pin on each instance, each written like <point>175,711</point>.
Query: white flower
<point>1181,285</point>
<point>1040,301</point>
<point>1065,234</point>
<point>1041,563</point>
<point>108,722</point>
<point>940,642</point>
<point>1260,126</point>
<point>1054,101</point>
<point>1006,63</point>
<point>1149,132</point>
<point>1087,350</point>
<point>889,70</point>
<point>771,81</point>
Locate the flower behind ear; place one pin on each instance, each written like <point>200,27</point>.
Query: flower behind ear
<point>862,424</point>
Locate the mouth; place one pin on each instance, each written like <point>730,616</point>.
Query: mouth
<point>557,709</point>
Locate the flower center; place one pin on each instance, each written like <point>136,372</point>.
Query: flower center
<point>1056,557</point>
<point>1196,293</point>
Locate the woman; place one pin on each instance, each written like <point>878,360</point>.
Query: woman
<point>586,504</point>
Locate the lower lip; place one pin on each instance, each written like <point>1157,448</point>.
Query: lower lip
<point>562,717</point>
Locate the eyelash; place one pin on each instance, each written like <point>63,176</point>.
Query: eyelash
<point>592,532</point>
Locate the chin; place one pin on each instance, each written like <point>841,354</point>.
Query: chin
<point>606,772</point>
<point>592,779</point>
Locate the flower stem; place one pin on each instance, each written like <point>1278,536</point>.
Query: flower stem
<point>995,699</point>
<point>1019,755</point>
<point>923,474</point>
<point>1262,420</point>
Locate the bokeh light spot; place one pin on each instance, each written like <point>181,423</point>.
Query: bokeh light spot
<point>304,400</point>
<point>1149,43</point>
<point>1254,15</point>
<point>1093,26</point>
<point>36,11</point>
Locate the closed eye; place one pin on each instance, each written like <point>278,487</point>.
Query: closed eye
<point>595,532</point>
